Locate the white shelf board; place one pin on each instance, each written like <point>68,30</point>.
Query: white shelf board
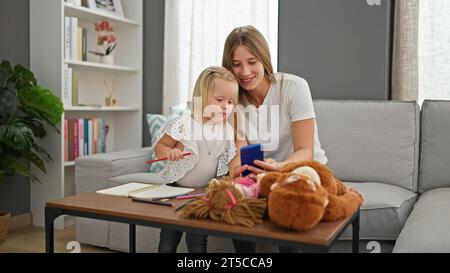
<point>69,163</point>
<point>91,65</point>
<point>100,109</point>
<point>88,14</point>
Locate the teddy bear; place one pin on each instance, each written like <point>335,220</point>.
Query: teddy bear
<point>304,193</point>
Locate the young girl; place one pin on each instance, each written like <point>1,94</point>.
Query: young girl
<point>208,136</point>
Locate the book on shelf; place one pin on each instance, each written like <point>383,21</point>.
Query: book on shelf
<point>66,140</point>
<point>67,90</point>
<point>83,137</point>
<point>146,191</point>
<point>74,90</point>
<point>90,137</point>
<point>67,37</point>
<point>84,45</point>
<point>79,44</point>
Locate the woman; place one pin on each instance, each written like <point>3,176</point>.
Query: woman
<point>247,55</point>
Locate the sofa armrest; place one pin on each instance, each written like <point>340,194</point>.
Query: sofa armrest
<point>93,172</point>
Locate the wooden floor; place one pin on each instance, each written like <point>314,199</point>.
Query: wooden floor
<point>32,240</point>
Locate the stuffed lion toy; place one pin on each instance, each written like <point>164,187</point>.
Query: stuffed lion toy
<point>303,194</point>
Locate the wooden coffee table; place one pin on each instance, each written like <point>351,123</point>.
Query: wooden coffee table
<point>123,210</point>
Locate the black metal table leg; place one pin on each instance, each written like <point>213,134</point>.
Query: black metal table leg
<point>50,215</point>
<point>132,238</point>
<point>355,229</point>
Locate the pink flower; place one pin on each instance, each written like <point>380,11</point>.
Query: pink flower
<point>103,26</point>
<point>111,39</point>
<point>106,38</point>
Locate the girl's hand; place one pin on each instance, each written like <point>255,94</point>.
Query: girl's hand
<point>237,171</point>
<point>174,154</point>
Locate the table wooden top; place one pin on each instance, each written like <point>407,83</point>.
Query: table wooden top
<point>323,234</point>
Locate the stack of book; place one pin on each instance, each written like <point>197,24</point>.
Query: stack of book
<point>75,40</point>
<point>84,137</point>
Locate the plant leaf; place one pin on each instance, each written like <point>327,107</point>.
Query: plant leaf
<point>23,170</point>
<point>8,95</point>
<point>43,152</point>
<point>7,66</point>
<point>16,135</point>
<point>35,125</point>
<point>4,77</point>
<point>36,160</point>
<point>39,101</point>
<point>110,49</point>
<point>23,77</point>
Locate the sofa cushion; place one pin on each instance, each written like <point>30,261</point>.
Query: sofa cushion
<point>155,122</point>
<point>371,140</point>
<point>428,226</point>
<point>435,146</point>
<point>384,212</point>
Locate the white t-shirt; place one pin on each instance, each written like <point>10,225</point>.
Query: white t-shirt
<point>270,124</point>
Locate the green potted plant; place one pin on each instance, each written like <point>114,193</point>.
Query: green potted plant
<point>27,110</point>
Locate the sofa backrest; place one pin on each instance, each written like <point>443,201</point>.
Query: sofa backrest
<point>371,141</point>
<point>435,145</point>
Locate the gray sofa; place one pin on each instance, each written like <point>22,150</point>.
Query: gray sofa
<point>371,146</point>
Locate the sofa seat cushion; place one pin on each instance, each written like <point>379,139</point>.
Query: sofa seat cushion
<point>428,227</point>
<point>384,212</point>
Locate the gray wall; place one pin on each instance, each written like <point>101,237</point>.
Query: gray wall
<point>14,46</point>
<point>341,47</point>
<point>153,60</point>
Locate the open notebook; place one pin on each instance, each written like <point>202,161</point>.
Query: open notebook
<point>146,191</point>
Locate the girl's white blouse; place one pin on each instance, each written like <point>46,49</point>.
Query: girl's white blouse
<point>185,130</point>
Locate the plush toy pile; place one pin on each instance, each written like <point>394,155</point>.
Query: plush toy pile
<point>233,202</point>
<point>305,193</point>
<point>298,197</point>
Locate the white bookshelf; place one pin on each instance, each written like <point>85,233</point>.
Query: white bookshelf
<point>47,62</point>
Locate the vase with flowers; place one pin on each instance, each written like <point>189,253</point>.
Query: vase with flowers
<point>106,42</point>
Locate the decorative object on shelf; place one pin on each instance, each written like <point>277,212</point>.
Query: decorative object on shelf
<point>26,110</point>
<point>106,6</point>
<point>106,42</point>
<point>110,100</point>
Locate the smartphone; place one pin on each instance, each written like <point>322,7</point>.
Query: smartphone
<point>249,154</point>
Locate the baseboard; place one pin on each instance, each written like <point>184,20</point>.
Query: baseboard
<point>20,221</point>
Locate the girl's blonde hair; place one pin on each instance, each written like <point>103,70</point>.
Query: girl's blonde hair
<point>204,87</point>
<point>252,39</point>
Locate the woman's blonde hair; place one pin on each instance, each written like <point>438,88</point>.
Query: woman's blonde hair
<point>252,39</point>
<point>204,87</point>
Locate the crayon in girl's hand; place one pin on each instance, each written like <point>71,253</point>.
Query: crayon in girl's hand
<point>164,158</point>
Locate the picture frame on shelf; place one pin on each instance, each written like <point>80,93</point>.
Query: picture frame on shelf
<point>107,6</point>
